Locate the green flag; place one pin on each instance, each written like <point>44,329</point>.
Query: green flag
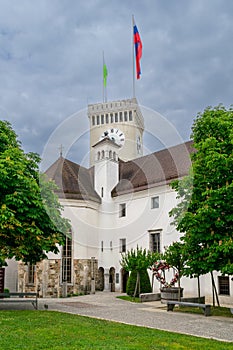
<point>105,74</point>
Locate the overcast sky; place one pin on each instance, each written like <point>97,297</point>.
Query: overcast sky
<point>51,62</point>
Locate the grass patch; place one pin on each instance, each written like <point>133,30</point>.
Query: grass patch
<point>215,311</point>
<point>129,298</point>
<point>53,330</point>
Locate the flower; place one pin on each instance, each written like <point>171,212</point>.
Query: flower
<point>158,268</point>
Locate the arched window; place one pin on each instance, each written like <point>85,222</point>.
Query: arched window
<point>98,156</point>
<point>110,154</point>
<point>102,154</point>
<point>114,155</point>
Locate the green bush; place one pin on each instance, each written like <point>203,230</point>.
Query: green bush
<point>145,286</point>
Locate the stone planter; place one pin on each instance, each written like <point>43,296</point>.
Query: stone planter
<point>170,293</point>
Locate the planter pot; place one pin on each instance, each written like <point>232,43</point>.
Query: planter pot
<point>170,293</point>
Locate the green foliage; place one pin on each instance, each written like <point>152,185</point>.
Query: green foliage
<point>30,213</point>
<point>138,259</point>
<point>175,255</point>
<point>145,286</point>
<point>204,213</point>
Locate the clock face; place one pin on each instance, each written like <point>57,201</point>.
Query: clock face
<point>115,135</point>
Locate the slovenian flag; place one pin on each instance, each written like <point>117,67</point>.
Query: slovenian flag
<point>138,49</point>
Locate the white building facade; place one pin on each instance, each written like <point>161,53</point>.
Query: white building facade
<point>122,201</point>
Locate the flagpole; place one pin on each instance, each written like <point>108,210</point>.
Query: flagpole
<point>103,76</point>
<point>133,59</point>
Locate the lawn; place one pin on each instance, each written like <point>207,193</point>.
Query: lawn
<point>54,330</point>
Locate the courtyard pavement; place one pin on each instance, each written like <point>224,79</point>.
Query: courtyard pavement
<point>105,305</point>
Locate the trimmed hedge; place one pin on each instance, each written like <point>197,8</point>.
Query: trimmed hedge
<point>145,286</point>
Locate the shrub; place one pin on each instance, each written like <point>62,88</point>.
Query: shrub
<point>145,286</point>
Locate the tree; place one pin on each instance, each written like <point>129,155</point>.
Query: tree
<point>137,261</point>
<point>204,213</point>
<point>30,214</point>
<point>175,256</point>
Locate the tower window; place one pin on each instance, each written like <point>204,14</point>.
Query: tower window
<point>122,210</point>
<point>116,117</point>
<point>106,118</point>
<point>121,117</point>
<point>111,118</point>
<point>102,154</point>
<point>102,119</point>
<point>102,246</point>
<point>130,116</point>
<point>125,116</point>
<point>102,192</point>
<point>93,120</point>
<point>97,119</point>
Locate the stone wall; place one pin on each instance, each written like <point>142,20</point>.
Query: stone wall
<point>47,278</point>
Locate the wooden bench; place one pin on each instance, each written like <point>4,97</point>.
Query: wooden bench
<point>20,297</point>
<point>205,307</point>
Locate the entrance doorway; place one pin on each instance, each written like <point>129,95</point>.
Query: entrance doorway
<point>112,279</point>
<point>124,279</point>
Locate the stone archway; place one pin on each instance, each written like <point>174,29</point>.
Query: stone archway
<point>112,279</point>
<point>100,283</point>
<point>124,279</point>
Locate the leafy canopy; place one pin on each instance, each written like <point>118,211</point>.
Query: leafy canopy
<point>30,214</point>
<point>204,213</point>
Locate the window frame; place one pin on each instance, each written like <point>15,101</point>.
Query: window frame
<point>155,244</point>
<point>122,245</point>
<point>122,210</point>
<point>155,202</point>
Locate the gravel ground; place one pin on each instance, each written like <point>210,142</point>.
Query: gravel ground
<point>105,305</point>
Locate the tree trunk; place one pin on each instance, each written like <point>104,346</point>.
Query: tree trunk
<point>214,288</point>
<point>179,296</point>
<point>199,288</point>
<point>136,286</point>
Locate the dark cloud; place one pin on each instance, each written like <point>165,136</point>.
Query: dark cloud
<point>51,60</point>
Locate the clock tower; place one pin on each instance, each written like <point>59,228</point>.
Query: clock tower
<point>120,121</point>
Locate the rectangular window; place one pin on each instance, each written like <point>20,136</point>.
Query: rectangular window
<point>121,117</point>
<point>117,278</point>
<point>102,246</point>
<point>102,119</point>
<point>106,118</point>
<point>31,269</point>
<point>154,202</point>
<point>93,120</point>
<point>122,210</point>
<point>123,245</point>
<point>116,117</point>
<point>97,119</point>
<point>130,116</point>
<point>67,260</point>
<point>125,116</point>
<point>223,285</point>
<point>111,117</point>
<point>155,241</point>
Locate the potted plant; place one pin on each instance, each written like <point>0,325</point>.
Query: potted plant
<point>167,289</point>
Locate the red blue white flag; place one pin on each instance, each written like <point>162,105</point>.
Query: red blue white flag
<point>138,49</point>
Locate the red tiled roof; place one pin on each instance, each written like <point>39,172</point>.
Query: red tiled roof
<point>76,182</point>
<point>154,169</point>
<point>73,180</point>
